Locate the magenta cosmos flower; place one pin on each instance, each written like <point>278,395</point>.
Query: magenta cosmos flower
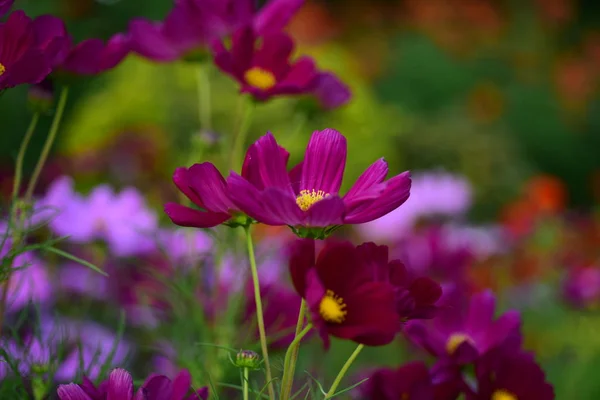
<point>89,57</point>
<point>341,295</point>
<point>119,386</point>
<point>264,69</point>
<point>463,335</point>
<point>22,59</point>
<point>308,197</point>
<point>192,25</point>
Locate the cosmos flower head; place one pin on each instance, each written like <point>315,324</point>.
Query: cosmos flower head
<point>119,386</point>
<point>462,335</point>
<point>22,59</point>
<point>307,198</point>
<point>192,26</point>
<point>343,299</point>
<point>122,220</point>
<point>265,70</point>
<point>581,287</point>
<point>433,194</point>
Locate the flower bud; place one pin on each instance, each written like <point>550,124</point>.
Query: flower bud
<point>247,359</point>
<point>41,96</point>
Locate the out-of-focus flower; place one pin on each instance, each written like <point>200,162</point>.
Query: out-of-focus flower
<point>29,280</point>
<point>432,194</point>
<point>265,70</point>
<point>409,381</point>
<point>192,25</point>
<point>119,386</point>
<point>415,297</point>
<point>330,91</point>
<point>309,196</point>
<point>5,6</point>
<point>582,287</point>
<point>183,248</point>
<point>341,295</point>
<point>67,346</point>
<point>509,375</point>
<point>122,219</point>
<point>463,336</point>
<point>89,57</point>
<point>22,59</point>
<point>41,96</point>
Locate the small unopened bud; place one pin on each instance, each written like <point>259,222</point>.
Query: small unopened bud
<point>247,359</point>
<point>41,96</point>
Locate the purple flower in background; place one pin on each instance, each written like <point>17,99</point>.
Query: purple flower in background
<point>432,194</point>
<point>309,195</point>
<point>29,281</point>
<point>119,386</point>
<point>330,91</point>
<point>509,375</point>
<point>464,335</point>
<point>65,345</point>
<point>122,219</point>
<point>265,70</point>
<point>89,57</point>
<point>22,60</point>
<point>192,25</point>
<point>5,6</point>
<point>185,248</point>
<point>581,287</point>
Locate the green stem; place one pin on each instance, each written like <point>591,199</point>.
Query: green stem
<point>289,368</point>
<point>21,156</point>
<point>240,138</point>
<point>289,365</point>
<point>245,384</point>
<point>204,98</point>
<point>259,313</point>
<point>343,371</point>
<point>62,101</point>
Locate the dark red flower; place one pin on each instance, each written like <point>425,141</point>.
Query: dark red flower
<point>341,295</point>
<point>415,298</point>
<point>509,375</point>
<point>263,68</point>
<point>22,59</point>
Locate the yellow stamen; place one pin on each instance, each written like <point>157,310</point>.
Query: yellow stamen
<point>332,308</point>
<point>503,395</point>
<point>260,78</point>
<point>455,340</point>
<point>2,69</point>
<point>309,197</point>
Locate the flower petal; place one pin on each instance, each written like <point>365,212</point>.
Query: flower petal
<point>251,169</point>
<point>282,206</point>
<point>271,164</point>
<point>425,291</point>
<point>302,258</point>
<point>275,15</point>
<point>120,385</point>
<point>330,91</point>
<point>185,216</point>
<point>182,179</point>
<point>181,384</point>
<point>148,40</point>
<point>314,294</point>
<point>206,180</point>
<point>326,212</point>
<point>367,186</point>
<point>324,162</point>
<point>340,268</point>
<point>71,392</point>
<point>481,311</point>
<point>395,194</point>
<point>158,387</point>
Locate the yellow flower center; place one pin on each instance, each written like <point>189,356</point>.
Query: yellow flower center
<point>332,308</point>
<point>503,395</point>
<point>309,197</point>
<point>456,340</point>
<point>260,78</point>
<point>2,69</point>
